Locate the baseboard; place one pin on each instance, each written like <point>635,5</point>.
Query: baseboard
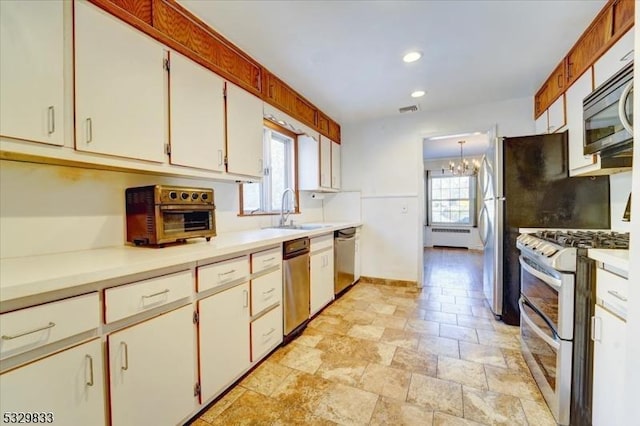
<point>387,281</point>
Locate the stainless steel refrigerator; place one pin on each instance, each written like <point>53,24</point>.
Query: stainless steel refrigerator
<point>525,183</point>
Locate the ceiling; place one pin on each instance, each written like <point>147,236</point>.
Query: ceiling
<point>346,56</point>
<point>447,147</point>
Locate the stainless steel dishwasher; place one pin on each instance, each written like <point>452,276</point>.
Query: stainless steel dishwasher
<point>344,259</point>
<point>295,255</point>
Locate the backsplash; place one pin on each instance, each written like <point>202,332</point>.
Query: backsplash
<point>620,184</point>
<point>52,209</point>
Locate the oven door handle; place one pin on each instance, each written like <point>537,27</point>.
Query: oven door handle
<point>551,342</point>
<point>553,282</point>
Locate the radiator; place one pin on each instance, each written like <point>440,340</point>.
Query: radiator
<point>451,237</point>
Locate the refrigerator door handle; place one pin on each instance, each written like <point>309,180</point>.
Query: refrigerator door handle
<point>482,228</point>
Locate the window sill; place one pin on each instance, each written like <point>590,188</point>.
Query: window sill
<point>264,214</point>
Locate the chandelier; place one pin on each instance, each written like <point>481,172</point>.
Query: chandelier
<point>464,167</point>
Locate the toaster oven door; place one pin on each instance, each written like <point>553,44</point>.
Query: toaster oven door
<point>178,222</point>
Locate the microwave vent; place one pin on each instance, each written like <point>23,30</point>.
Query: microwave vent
<point>410,108</point>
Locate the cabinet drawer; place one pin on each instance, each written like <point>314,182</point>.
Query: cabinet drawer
<point>322,242</point>
<point>131,299</point>
<point>612,289</point>
<point>266,259</point>
<point>219,273</point>
<point>30,328</point>
<point>266,333</point>
<point>265,291</point>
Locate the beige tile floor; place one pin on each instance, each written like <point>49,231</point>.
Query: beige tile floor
<point>384,355</point>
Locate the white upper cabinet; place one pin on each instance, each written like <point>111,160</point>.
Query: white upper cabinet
<point>336,177</point>
<point>575,95</point>
<point>196,111</point>
<point>244,132</point>
<point>314,164</point>
<point>556,115</point>
<point>619,55</point>
<point>120,87</point>
<point>542,123</point>
<point>31,71</point>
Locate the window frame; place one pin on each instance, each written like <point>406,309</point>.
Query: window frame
<point>473,200</point>
<point>269,125</point>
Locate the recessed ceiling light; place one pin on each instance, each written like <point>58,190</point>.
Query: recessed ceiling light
<point>417,93</point>
<point>412,56</point>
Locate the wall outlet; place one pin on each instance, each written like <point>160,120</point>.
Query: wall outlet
<point>404,209</point>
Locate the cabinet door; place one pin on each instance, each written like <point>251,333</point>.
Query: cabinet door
<point>244,132</point>
<point>68,384</point>
<point>325,162</point>
<point>321,280</point>
<point>31,70</point>
<point>575,122</point>
<point>335,166</point>
<point>556,115</point>
<point>224,339</point>
<point>308,163</point>
<point>120,87</point>
<point>196,110</point>
<point>609,355</point>
<point>542,124</point>
<point>619,55</point>
<point>152,369</point>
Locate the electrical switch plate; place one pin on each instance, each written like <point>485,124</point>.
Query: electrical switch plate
<point>404,209</point>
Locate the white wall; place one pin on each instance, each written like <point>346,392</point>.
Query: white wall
<point>620,188</point>
<point>50,209</point>
<point>383,161</point>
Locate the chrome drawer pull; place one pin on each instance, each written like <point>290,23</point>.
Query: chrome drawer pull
<point>271,259</point>
<point>269,332</point>
<point>51,120</point>
<point>90,382</point>
<point>166,290</point>
<point>15,336</point>
<point>222,274</point>
<point>617,295</point>
<point>269,291</point>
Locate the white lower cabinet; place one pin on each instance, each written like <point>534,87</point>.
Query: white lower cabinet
<point>69,385</point>
<point>609,355</point>
<point>321,270</point>
<point>152,370</point>
<point>357,263</point>
<point>266,333</point>
<point>224,339</point>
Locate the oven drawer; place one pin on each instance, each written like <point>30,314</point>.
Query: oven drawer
<point>265,291</point>
<point>220,273</point>
<point>266,333</point>
<point>132,299</point>
<point>30,328</point>
<point>264,260</point>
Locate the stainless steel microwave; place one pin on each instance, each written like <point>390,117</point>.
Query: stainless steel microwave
<point>608,116</point>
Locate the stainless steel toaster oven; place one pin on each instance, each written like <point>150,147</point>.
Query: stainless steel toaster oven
<point>159,215</point>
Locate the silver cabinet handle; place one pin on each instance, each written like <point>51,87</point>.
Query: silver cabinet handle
<point>15,336</point>
<point>226,275</point>
<point>90,381</point>
<point>617,295</point>
<point>246,298</point>
<point>51,118</point>
<point>125,364</point>
<point>220,158</point>
<point>270,332</point>
<point>89,130</point>
<point>166,290</point>
<point>271,259</point>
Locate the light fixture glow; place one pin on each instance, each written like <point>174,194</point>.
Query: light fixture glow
<point>459,135</point>
<point>417,93</point>
<point>412,56</point>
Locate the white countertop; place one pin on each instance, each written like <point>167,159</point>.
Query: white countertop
<point>616,258</point>
<point>27,276</point>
